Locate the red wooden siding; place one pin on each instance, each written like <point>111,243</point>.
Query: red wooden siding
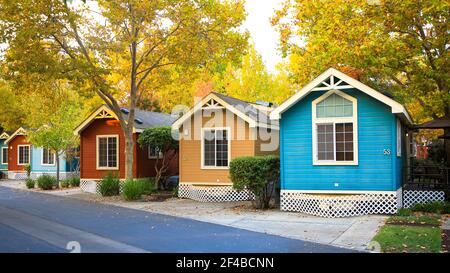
<point>142,166</point>
<point>12,153</point>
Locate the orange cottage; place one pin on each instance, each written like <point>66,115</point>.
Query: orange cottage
<point>216,130</point>
<point>102,146</point>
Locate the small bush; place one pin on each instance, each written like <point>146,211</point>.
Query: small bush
<point>74,181</point>
<point>134,189</point>
<point>46,182</point>
<point>65,183</point>
<point>175,191</point>
<point>109,185</point>
<point>30,183</point>
<point>404,212</point>
<point>28,170</point>
<point>258,174</point>
<point>432,207</point>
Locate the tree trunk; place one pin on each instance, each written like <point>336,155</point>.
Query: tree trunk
<point>57,169</point>
<point>129,153</point>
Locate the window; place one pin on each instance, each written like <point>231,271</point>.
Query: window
<point>215,148</point>
<point>334,129</point>
<point>153,152</point>
<point>399,138</point>
<point>5,155</point>
<point>107,152</point>
<point>48,158</point>
<point>23,156</point>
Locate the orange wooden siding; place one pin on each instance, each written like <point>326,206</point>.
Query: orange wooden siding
<point>190,150</point>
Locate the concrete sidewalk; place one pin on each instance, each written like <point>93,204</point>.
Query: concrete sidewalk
<point>352,232</point>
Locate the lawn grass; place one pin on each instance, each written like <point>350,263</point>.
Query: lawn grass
<point>411,239</point>
<point>415,219</point>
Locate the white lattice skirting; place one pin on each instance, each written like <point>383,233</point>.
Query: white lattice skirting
<point>17,175</point>
<point>343,205</point>
<point>92,186</point>
<point>205,193</point>
<point>414,197</point>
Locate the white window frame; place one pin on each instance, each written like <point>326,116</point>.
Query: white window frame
<point>42,158</point>
<point>18,155</point>
<point>97,154</point>
<point>202,165</point>
<point>3,159</point>
<point>153,156</point>
<point>399,138</point>
<point>334,120</point>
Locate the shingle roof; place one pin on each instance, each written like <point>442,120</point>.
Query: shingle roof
<point>438,123</point>
<point>247,108</point>
<point>150,119</point>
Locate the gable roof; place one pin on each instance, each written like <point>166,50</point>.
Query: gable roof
<point>143,119</point>
<point>346,82</point>
<point>248,111</point>
<point>19,132</point>
<point>4,135</point>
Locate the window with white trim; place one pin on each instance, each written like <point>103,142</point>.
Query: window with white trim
<point>153,152</point>
<point>399,138</point>
<point>5,155</point>
<point>48,157</point>
<point>334,129</point>
<point>216,147</point>
<point>23,154</point>
<point>107,152</point>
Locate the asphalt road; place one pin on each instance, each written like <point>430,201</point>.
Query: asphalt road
<point>37,222</point>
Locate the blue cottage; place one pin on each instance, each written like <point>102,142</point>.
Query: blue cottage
<point>343,146</point>
<point>21,152</point>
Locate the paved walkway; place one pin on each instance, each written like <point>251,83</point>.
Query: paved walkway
<point>352,232</point>
<point>38,222</point>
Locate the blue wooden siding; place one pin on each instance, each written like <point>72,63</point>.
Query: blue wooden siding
<point>376,132</point>
<point>36,163</point>
<point>3,167</point>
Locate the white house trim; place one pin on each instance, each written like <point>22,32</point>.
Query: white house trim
<point>42,158</point>
<point>220,104</point>
<point>97,154</point>
<point>396,107</point>
<point>18,154</point>
<point>399,137</point>
<point>19,132</point>
<point>334,120</point>
<point>4,135</point>
<point>202,165</point>
<point>2,158</point>
<point>102,112</point>
<point>338,191</point>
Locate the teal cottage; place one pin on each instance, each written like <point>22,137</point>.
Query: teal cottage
<point>21,152</point>
<point>3,154</point>
<point>343,146</point>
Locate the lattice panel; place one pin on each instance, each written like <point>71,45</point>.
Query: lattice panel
<point>213,193</point>
<point>93,186</point>
<point>333,206</point>
<point>414,197</point>
<point>17,176</point>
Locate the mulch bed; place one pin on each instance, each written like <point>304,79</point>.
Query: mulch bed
<point>446,240</point>
<point>157,197</point>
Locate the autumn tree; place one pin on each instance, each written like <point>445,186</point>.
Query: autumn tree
<point>398,46</point>
<point>118,46</point>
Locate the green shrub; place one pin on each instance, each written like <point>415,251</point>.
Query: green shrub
<point>134,189</point>
<point>175,191</point>
<point>404,212</point>
<point>432,207</point>
<point>30,183</point>
<point>74,181</point>
<point>46,182</point>
<point>109,185</point>
<point>65,183</point>
<point>28,170</point>
<point>258,174</point>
